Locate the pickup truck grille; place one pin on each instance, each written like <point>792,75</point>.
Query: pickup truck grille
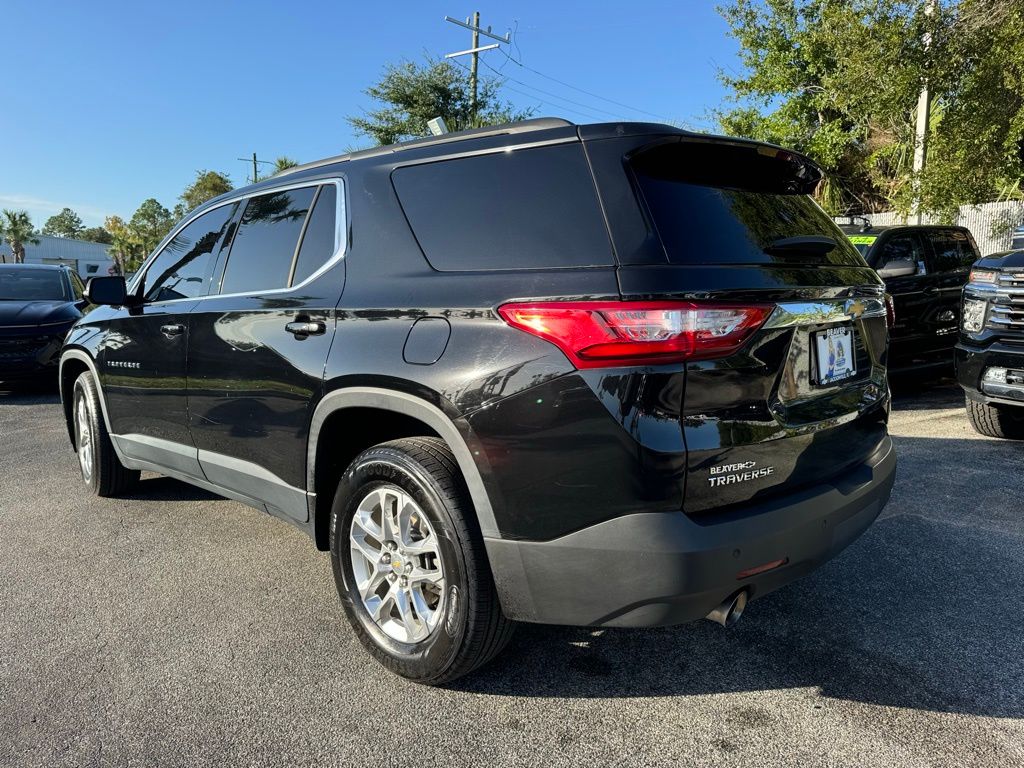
<point>1006,312</point>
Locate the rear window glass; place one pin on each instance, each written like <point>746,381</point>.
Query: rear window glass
<point>528,209</point>
<point>714,204</point>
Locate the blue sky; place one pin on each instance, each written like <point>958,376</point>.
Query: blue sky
<point>108,103</point>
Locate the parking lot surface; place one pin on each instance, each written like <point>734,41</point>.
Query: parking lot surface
<point>175,628</point>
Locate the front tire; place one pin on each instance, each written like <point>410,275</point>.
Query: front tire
<point>102,471</point>
<point>995,420</point>
<point>410,565</point>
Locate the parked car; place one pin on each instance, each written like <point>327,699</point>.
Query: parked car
<point>925,269</point>
<point>990,353</point>
<point>1017,239</point>
<point>603,375</point>
<point>38,305</point>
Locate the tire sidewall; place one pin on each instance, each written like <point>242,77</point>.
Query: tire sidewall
<point>390,467</point>
<point>83,391</point>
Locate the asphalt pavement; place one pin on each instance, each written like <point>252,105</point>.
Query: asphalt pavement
<point>175,628</point>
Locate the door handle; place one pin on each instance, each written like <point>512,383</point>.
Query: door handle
<point>931,290</point>
<point>172,330</point>
<point>302,329</point>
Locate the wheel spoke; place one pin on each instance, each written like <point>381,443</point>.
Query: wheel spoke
<point>368,588</point>
<point>371,553</point>
<point>425,546</point>
<point>425,576</point>
<point>423,610</point>
<point>405,611</point>
<point>390,504</point>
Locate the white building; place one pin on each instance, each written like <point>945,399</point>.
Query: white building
<point>88,259</point>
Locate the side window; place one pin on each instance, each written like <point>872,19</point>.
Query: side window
<point>182,269</point>
<point>77,287</point>
<point>319,240</point>
<point>264,246</point>
<point>951,250</point>
<point>901,256</point>
<point>527,209</point>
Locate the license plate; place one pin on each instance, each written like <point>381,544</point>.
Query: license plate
<point>834,353</point>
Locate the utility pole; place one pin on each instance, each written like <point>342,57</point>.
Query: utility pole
<point>924,103</point>
<point>474,63</point>
<point>474,51</point>
<point>255,168</point>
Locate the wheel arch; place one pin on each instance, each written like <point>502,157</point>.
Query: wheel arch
<point>73,363</point>
<point>404,406</point>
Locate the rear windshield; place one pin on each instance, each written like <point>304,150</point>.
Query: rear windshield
<point>32,285</point>
<point>527,209</point>
<point>714,203</point>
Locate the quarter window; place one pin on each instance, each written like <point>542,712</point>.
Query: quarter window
<point>527,209</point>
<point>319,239</point>
<point>183,268</point>
<point>263,248</point>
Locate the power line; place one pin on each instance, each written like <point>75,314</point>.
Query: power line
<point>581,90</point>
<point>616,115</point>
<point>533,97</point>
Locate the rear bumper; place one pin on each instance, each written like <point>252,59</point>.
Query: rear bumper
<point>661,568</point>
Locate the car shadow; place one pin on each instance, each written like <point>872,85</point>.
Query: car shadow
<point>160,488</point>
<point>921,612</point>
<point>918,393</point>
<point>29,393</point>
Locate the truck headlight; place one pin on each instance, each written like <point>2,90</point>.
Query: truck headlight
<point>974,315</point>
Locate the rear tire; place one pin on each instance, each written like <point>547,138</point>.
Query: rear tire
<point>417,591</point>
<point>996,421</point>
<point>101,470</point>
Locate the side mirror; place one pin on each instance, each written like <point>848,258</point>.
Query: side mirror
<point>111,291</point>
<point>898,268</point>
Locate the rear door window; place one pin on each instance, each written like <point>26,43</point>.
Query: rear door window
<point>951,250</point>
<point>264,244</point>
<point>722,203</point>
<point>527,209</point>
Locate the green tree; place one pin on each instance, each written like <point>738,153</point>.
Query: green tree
<point>125,249</point>
<point>96,235</point>
<point>149,224</point>
<point>410,94</point>
<point>208,185</point>
<point>839,80</point>
<point>283,163</point>
<point>67,223</point>
<point>16,228</point>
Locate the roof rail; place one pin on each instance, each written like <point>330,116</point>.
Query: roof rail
<point>522,126</point>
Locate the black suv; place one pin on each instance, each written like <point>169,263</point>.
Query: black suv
<point>38,305</point>
<point>925,269</point>
<point>603,375</point>
<point>990,354</point>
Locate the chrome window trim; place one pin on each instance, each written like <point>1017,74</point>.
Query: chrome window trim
<point>340,239</point>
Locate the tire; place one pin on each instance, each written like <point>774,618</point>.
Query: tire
<point>455,623</point>
<point>101,470</point>
<point>996,421</point>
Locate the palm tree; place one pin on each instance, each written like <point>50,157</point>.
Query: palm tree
<point>16,228</point>
<point>283,163</point>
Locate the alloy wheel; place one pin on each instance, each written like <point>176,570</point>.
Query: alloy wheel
<point>83,427</point>
<point>397,565</point>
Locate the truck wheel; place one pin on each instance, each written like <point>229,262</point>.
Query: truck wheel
<point>101,470</point>
<point>996,421</point>
<point>410,565</point>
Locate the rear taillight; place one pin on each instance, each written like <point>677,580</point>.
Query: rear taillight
<point>890,310</point>
<point>604,334</point>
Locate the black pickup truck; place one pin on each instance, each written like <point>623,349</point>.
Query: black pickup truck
<point>990,351</point>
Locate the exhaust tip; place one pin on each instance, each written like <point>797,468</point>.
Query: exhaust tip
<point>729,612</point>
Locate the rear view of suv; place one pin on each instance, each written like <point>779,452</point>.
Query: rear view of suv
<point>604,375</point>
